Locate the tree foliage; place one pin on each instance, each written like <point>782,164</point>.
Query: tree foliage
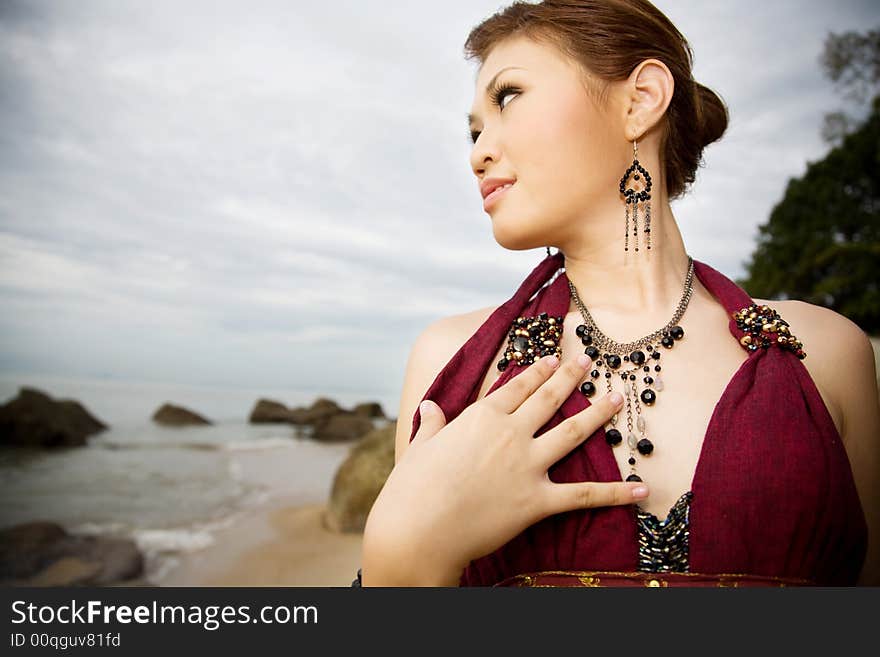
<point>821,243</point>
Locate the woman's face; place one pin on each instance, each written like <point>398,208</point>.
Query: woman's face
<point>565,153</point>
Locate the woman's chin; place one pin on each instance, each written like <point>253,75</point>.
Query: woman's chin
<point>515,240</point>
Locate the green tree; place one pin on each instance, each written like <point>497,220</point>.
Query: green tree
<point>821,243</point>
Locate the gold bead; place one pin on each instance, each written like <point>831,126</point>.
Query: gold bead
<point>745,340</point>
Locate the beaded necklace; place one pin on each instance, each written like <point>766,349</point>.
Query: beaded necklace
<point>610,355</point>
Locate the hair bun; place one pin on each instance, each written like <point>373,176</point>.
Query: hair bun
<point>712,113</point>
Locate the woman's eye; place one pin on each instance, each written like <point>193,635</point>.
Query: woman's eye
<point>503,93</point>
<point>498,96</point>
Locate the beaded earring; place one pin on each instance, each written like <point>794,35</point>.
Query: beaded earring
<point>634,196</point>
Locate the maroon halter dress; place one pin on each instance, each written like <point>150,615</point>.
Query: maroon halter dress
<point>773,498</point>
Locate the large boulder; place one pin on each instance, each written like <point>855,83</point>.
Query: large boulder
<point>43,554</point>
<point>321,410</point>
<point>359,479</point>
<point>177,416</point>
<point>34,419</point>
<point>342,427</point>
<point>267,410</point>
<point>369,409</point>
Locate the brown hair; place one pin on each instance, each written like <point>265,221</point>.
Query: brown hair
<point>608,39</point>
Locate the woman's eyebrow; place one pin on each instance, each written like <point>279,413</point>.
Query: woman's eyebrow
<point>471,118</point>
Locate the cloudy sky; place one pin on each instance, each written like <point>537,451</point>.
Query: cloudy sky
<point>278,193</point>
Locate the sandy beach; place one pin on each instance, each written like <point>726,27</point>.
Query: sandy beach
<point>279,546</point>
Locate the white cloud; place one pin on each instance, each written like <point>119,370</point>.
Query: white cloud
<point>268,193</point>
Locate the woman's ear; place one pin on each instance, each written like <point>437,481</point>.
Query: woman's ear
<point>649,91</point>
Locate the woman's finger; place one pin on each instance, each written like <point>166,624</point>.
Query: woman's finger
<point>432,420</point>
<point>590,494</point>
<point>508,397</point>
<point>541,405</point>
<point>554,444</point>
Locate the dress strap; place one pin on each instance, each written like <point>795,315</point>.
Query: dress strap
<point>471,361</point>
<point>728,293</point>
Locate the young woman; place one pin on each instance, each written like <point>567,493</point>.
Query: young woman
<point>754,425</point>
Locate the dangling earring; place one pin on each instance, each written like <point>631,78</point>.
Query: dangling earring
<point>634,196</point>
<point>548,250</point>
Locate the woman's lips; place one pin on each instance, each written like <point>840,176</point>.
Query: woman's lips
<point>492,198</point>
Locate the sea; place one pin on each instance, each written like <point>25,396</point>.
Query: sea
<point>169,489</point>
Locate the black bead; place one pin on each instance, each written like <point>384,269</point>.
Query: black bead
<point>599,362</point>
<point>521,343</point>
<point>631,460</point>
<point>580,330</point>
<point>544,316</point>
<point>613,437</point>
<point>607,375</point>
<point>634,477</point>
<point>595,374</point>
<point>648,396</point>
<point>655,355</point>
<point>502,364</point>
<point>648,380</point>
<point>613,361</point>
<point>636,177</point>
<point>667,342</point>
<point>656,368</point>
<point>588,388</point>
<point>592,352</point>
<point>637,357</point>
<point>632,377</point>
<point>587,339</point>
<point>626,359</point>
<point>647,368</point>
<point>645,446</point>
<point>676,332</point>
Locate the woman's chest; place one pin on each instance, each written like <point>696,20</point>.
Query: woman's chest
<point>694,375</point>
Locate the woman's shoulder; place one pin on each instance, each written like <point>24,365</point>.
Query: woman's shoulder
<point>840,355</point>
<point>449,333</point>
<point>432,350</point>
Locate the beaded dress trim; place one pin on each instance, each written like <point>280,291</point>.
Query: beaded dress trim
<point>663,545</point>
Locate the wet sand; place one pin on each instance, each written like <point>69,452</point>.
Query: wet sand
<point>277,546</point>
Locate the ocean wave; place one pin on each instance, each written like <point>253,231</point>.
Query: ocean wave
<point>256,443</point>
<point>206,446</point>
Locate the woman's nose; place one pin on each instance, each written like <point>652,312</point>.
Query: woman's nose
<point>484,151</point>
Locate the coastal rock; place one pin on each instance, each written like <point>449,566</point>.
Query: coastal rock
<point>318,412</point>
<point>369,409</point>
<point>267,410</point>
<point>359,479</point>
<point>42,553</point>
<point>34,419</point>
<point>341,427</point>
<point>177,416</point>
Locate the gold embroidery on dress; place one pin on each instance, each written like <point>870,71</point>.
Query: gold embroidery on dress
<point>585,576</point>
<point>764,327</point>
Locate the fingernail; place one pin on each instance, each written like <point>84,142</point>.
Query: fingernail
<point>425,407</point>
<point>551,361</point>
<point>639,492</point>
<point>583,360</point>
<point>615,397</point>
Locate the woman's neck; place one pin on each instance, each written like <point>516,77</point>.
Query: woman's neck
<point>641,287</point>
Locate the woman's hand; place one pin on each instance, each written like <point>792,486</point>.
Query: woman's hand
<point>462,490</point>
